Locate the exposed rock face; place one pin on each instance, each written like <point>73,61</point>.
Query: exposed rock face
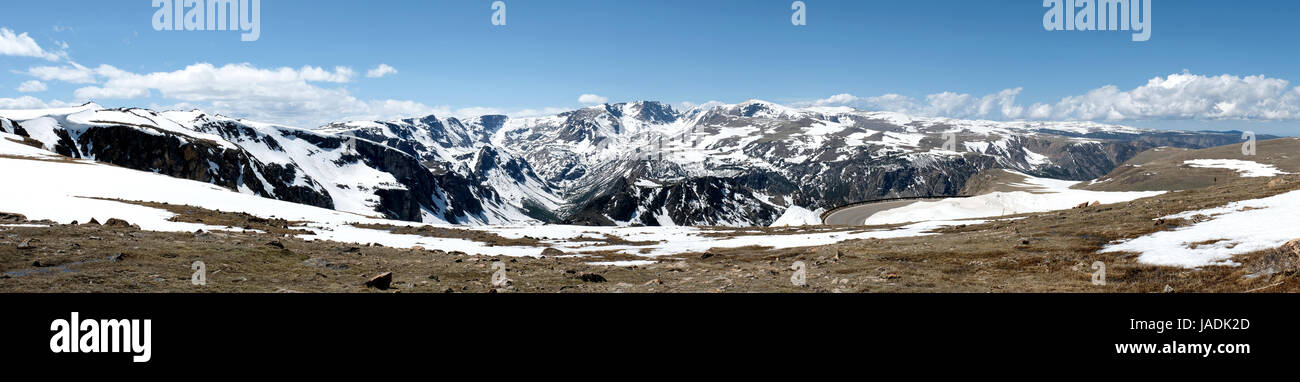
<point>196,159</point>
<point>699,202</point>
<point>282,163</point>
<point>12,127</point>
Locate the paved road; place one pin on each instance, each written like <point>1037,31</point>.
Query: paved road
<point>857,215</point>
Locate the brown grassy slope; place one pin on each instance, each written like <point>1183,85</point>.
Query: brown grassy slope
<point>1163,168</point>
<point>1048,252</point>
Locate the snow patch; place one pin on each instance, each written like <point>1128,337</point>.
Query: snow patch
<point>796,216</point>
<point>1237,228</point>
<point>1045,195</point>
<point>1247,169</point>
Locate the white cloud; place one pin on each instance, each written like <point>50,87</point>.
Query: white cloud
<point>22,45</point>
<point>91,93</point>
<point>591,99</point>
<point>836,100</point>
<point>529,113</point>
<point>71,73</point>
<point>294,97</point>
<point>380,71</point>
<point>1175,97</point>
<point>280,95</point>
<point>29,102</point>
<point>341,74</point>
<point>32,86</point>
<point>1188,96</point>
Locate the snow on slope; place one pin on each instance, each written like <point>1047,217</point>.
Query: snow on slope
<point>1234,230</point>
<point>63,190</point>
<point>1043,195</point>
<point>305,166</point>
<point>1247,169</point>
<point>558,163</point>
<point>796,216</point>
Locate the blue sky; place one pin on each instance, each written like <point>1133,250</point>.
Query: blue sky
<point>449,58</point>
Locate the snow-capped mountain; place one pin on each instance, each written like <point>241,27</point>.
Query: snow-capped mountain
<point>302,166</point>
<point>613,164</point>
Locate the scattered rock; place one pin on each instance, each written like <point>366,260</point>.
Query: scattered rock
<point>381,282</point>
<point>1169,289</point>
<point>552,252</point>
<point>654,282</point>
<point>680,266</point>
<point>592,278</point>
<point>1291,248</point>
<point>117,258</point>
<point>706,255</point>
<point>322,263</point>
<point>118,223</point>
<point>417,248</point>
<point>1276,182</point>
<point>12,218</point>
<point>1095,203</point>
<point>26,244</point>
<point>276,243</point>
<point>1081,205</point>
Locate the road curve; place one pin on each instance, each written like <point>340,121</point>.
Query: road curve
<point>858,214</point>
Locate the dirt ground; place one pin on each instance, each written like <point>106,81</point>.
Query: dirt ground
<point>1049,252</point>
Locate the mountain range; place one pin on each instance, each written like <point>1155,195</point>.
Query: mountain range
<point>637,163</point>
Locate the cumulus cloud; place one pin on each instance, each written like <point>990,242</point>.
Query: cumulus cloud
<point>836,100</point>
<point>32,86</point>
<point>542,112</point>
<point>1174,97</point>
<point>71,73</point>
<point>282,95</point>
<point>93,93</point>
<point>381,71</point>
<point>22,45</point>
<point>1187,96</point>
<point>29,102</point>
<point>591,99</point>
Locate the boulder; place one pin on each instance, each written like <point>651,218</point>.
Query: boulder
<point>591,278</point>
<point>119,223</point>
<point>381,282</point>
<point>12,218</point>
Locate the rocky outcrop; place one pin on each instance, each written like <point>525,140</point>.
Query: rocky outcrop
<point>197,159</point>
